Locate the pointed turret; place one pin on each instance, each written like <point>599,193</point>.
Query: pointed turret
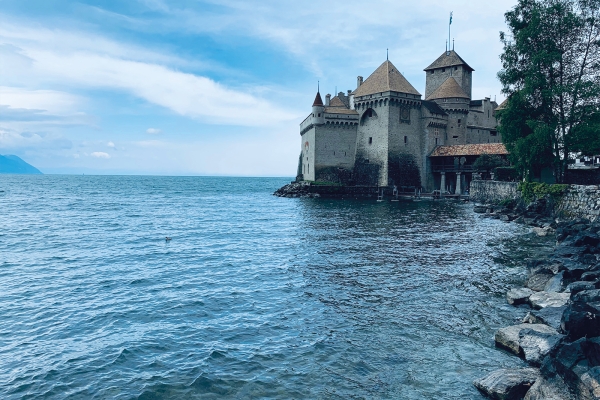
<point>318,110</point>
<point>318,100</point>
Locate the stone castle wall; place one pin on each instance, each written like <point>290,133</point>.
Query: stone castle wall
<point>493,191</point>
<point>579,201</point>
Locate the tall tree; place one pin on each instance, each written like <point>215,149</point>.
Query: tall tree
<point>551,76</point>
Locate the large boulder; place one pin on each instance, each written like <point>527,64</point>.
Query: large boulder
<point>507,384</point>
<point>509,337</point>
<point>587,296</point>
<point>589,384</point>
<point>550,316</point>
<point>518,295</point>
<point>536,345</point>
<point>555,284</point>
<point>580,320</point>
<point>578,286</point>
<point>548,299</point>
<point>538,281</point>
<point>544,389</point>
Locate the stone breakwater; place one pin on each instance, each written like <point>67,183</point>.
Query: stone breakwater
<point>559,335</point>
<point>577,202</point>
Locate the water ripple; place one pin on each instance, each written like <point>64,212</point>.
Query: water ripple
<point>254,296</point>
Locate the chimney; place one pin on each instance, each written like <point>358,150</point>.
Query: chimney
<point>327,99</point>
<point>359,81</point>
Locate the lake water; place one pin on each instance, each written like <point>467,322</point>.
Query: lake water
<point>254,297</point>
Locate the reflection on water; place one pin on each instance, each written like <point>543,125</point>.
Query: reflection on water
<point>255,296</point>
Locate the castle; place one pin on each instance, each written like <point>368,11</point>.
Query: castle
<point>384,134</point>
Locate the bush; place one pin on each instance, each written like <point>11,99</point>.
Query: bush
<point>506,174</point>
<point>531,191</point>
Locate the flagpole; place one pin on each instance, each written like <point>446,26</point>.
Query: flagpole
<point>449,24</point>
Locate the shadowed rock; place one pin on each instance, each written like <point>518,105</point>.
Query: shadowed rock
<point>507,384</point>
<point>536,345</point>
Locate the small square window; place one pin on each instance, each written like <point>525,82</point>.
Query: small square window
<point>370,140</point>
<point>405,139</point>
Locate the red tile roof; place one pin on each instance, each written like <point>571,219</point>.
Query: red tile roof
<point>469,150</point>
<point>318,100</point>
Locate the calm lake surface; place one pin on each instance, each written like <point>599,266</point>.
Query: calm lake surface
<point>255,296</point>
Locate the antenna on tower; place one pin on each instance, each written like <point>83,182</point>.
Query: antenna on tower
<point>387,54</point>
<point>318,87</point>
<point>446,46</point>
<point>452,44</point>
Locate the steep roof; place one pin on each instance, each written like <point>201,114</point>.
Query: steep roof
<point>318,100</point>
<point>337,106</point>
<point>433,107</point>
<point>469,150</point>
<point>340,110</point>
<point>450,88</point>
<point>448,59</point>
<point>502,105</point>
<point>336,102</point>
<point>386,78</point>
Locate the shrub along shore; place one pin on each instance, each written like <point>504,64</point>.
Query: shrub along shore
<point>559,336</point>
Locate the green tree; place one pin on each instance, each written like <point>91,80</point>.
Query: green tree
<point>487,162</point>
<point>551,76</point>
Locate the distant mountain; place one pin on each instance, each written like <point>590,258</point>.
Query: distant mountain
<point>14,165</point>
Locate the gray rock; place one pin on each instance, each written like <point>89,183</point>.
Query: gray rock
<point>589,384</point>
<point>587,296</point>
<point>509,337</point>
<point>555,284</point>
<point>518,295</point>
<point>536,345</point>
<point>544,389</point>
<point>543,231</point>
<point>550,316</point>
<point>548,299</point>
<point>590,276</point>
<point>507,384</point>
<point>480,209</point>
<point>538,281</point>
<point>579,286</point>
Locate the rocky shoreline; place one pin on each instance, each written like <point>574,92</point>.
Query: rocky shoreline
<point>559,336</point>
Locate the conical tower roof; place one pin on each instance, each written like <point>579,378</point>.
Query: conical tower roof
<point>386,78</point>
<point>448,59</point>
<point>450,88</point>
<point>318,100</point>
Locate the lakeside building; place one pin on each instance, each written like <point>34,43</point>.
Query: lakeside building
<point>384,134</point>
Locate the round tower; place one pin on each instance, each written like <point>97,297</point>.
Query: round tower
<point>318,110</point>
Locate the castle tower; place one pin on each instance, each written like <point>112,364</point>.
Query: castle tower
<point>388,143</point>
<point>453,99</point>
<point>449,64</point>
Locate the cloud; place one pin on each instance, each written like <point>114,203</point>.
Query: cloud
<point>100,154</point>
<point>111,145</point>
<point>153,131</point>
<point>81,61</point>
<point>49,102</point>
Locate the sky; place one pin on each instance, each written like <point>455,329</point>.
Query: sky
<point>208,87</point>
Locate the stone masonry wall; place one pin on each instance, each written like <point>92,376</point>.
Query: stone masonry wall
<point>493,191</point>
<point>578,201</point>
